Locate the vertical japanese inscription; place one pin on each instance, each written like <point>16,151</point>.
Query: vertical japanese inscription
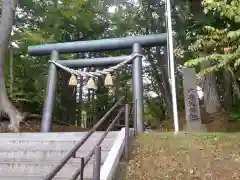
<point>192,104</point>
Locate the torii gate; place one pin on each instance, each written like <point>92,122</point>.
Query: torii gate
<point>134,42</point>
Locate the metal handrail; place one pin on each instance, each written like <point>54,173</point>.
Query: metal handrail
<point>77,173</point>
<point>73,151</point>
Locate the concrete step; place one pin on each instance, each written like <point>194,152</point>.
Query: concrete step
<point>69,136</point>
<point>44,155</point>
<point>22,169</point>
<point>33,178</point>
<point>53,145</point>
<point>31,156</point>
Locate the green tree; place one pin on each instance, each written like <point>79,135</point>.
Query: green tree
<point>7,22</point>
<point>220,43</point>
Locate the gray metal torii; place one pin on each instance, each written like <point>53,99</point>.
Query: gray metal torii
<point>134,42</point>
<point>99,45</point>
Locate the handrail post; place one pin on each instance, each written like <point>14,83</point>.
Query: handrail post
<point>82,168</point>
<point>97,164</point>
<point>126,108</point>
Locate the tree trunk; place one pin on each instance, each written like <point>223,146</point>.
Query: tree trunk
<point>117,86</point>
<point>159,80</point>
<point>11,71</point>
<point>79,91</point>
<point>162,64</point>
<point>211,97</point>
<point>8,11</point>
<point>235,83</point>
<point>80,101</point>
<point>228,96</point>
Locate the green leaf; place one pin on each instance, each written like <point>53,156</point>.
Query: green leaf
<point>237,63</point>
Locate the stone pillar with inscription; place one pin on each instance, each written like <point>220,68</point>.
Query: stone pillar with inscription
<point>191,100</point>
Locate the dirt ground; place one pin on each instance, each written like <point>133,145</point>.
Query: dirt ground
<point>164,156</point>
<point>34,126</point>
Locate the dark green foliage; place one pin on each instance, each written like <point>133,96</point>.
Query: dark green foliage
<point>48,21</point>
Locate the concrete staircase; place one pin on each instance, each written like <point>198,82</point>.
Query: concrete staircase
<point>30,156</point>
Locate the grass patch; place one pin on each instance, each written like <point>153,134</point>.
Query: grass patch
<point>186,156</point>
